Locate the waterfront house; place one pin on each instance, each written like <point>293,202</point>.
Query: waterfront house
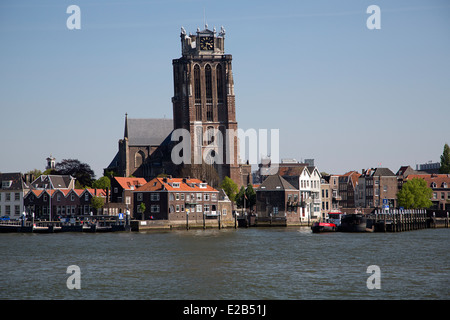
<point>276,197</point>
<point>440,184</point>
<point>13,188</point>
<point>376,188</point>
<point>52,204</point>
<point>170,199</point>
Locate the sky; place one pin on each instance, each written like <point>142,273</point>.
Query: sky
<point>345,95</point>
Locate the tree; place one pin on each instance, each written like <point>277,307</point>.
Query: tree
<point>445,160</point>
<point>102,183</point>
<point>142,210</point>
<point>415,194</point>
<point>250,196</point>
<point>81,171</point>
<point>230,187</point>
<point>97,203</point>
<point>240,197</point>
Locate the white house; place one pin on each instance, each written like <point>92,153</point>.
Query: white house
<point>13,188</point>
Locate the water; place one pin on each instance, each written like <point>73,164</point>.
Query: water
<point>254,263</point>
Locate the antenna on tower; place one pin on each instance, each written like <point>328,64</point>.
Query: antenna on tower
<point>204,19</point>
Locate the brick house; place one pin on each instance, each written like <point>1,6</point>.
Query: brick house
<point>170,198</point>
<point>376,185</point>
<point>276,197</point>
<point>51,204</point>
<point>440,184</point>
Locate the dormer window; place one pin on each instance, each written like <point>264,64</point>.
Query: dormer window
<point>6,184</point>
<point>444,185</point>
<point>176,185</point>
<point>433,184</point>
<point>203,185</point>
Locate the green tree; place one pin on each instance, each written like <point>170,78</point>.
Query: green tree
<point>415,194</point>
<point>445,160</point>
<point>230,188</point>
<point>97,203</point>
<point>79,170</point>
<point>102,183</point>
<point>250,194</point>
<point>240,196</point>
<point>142,209</point>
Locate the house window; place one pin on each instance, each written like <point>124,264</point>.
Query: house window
<point>199,208</point>
<point>199,197</point>
<point>139,196</point>
<point>171,197</point>
<point>154,208</point>
<point>16,196</point>
<point>434,195</point>
<point>206,197</point>
<point>443,195</point>
<point>177,196</point>
<point>206,208</point>
<point>116,190</point>
<point>224,212</point>
<point>72,197</point>
<point>17,210</point>
<point>8,196</point>
<point>6,184</point>
<point>176,185</point>
<point>178,208</point>
<point>154,196</point>
<point>275,211</point>
<point>182,196</point>
<point>58,197</point>
<point>86,197</point>
<point>127,200</point>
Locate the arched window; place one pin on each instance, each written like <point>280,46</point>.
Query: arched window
<point>219,77</point>
<point>139,158</point>
<point>209,96</point>
<point>197,93</point>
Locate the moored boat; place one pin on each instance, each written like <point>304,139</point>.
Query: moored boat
<point>318,227</point>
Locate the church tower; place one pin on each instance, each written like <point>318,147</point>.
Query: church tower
<point>204,101</point>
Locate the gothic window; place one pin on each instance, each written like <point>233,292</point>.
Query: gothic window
<point>219,77</point>
<point>197,93</point>
<point>139,158</point>
<point>209,99</point>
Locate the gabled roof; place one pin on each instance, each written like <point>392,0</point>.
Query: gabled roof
<point>53,182</point>
<point>293,170</point>
<point>275,183</point>
<point>16,179</point>
<point>169,184</point>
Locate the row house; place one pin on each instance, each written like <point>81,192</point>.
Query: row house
<point>276,197</point>
<point>52,204</point>
<point>12,190</point>
<point>329,187</point>
<point>120,197</point>
<point>347,184</point>
<point>377,187</point>
<point>168,198</point>
<point>440,184</point>
<point>307,179</point>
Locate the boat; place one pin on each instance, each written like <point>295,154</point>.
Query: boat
<point>355,222</point>
<point>332,223</point>
<point>318,227</point>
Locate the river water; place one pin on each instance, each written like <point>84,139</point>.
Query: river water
<point>255,263</point>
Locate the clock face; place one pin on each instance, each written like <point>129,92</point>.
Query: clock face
<point>207,43</point>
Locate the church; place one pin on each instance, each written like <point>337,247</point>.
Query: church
<point>203,106</point>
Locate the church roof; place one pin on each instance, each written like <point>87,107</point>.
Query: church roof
<point>147,132</point>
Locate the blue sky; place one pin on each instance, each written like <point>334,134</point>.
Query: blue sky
<point>349,97</point>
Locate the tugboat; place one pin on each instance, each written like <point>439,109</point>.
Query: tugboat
<point>318,227</point>
<point>332,224</point>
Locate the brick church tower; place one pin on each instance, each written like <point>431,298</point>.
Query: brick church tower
<point>204,102</point>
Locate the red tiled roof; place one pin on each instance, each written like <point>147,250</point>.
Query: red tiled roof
<point>186,185</point>
<point>439,179</point>
<point>127,183</point>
